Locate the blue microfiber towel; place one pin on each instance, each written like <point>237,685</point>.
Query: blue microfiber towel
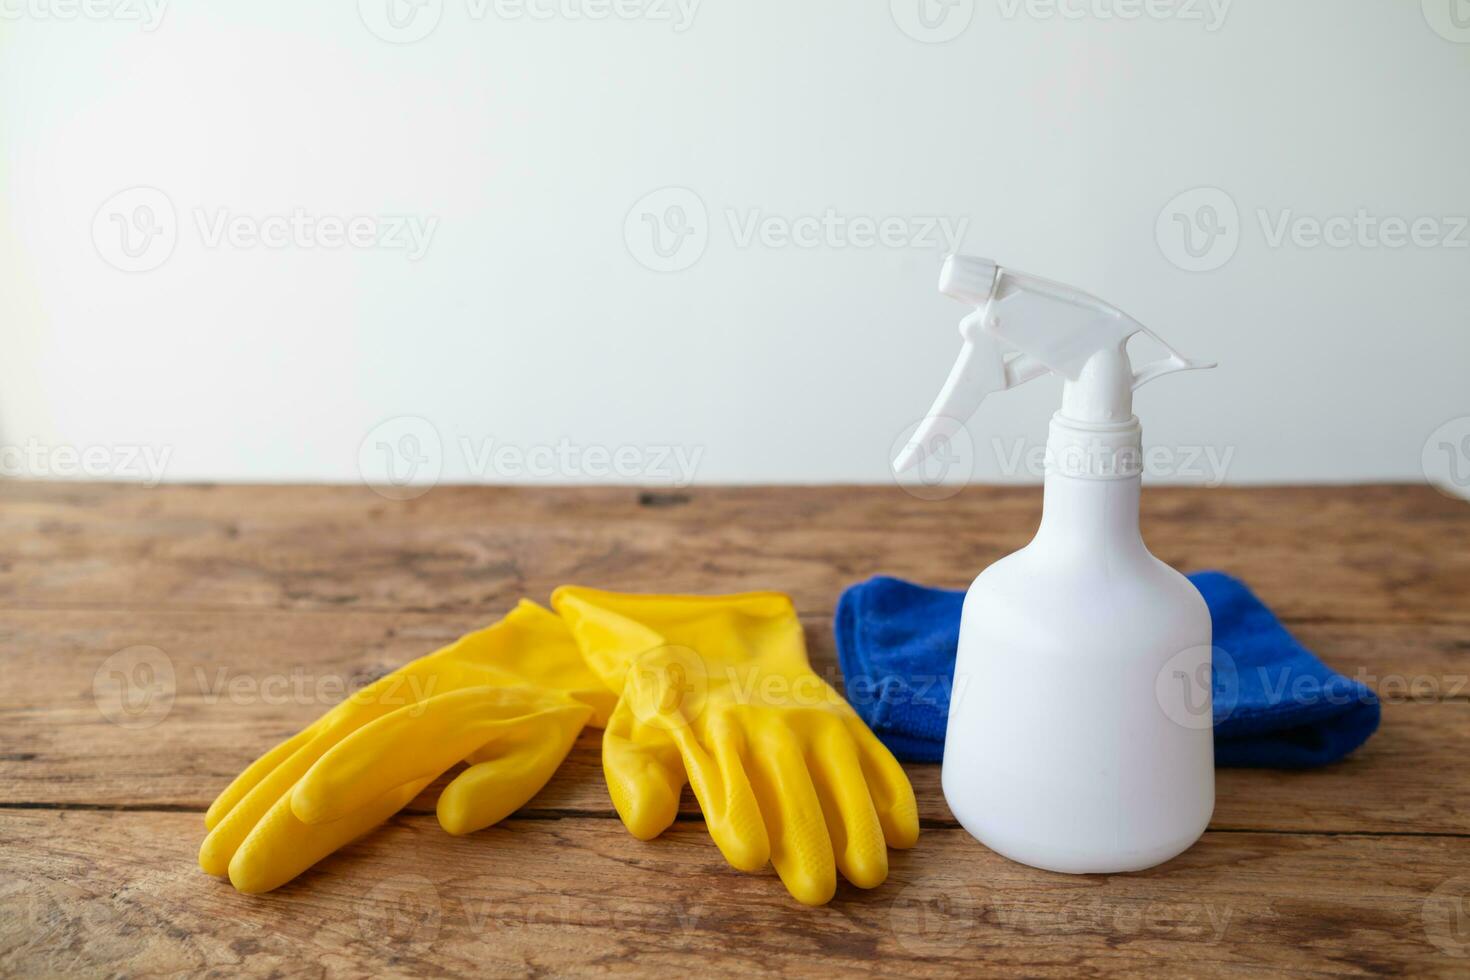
<point>1276,705</point>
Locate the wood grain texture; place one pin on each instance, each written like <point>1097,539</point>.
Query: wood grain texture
<point>1357,554</point>
<point>266,603</point>
<point>245,682</point>
<point>117,891</point>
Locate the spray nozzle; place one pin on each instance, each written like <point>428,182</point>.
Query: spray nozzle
<point>1023,327</point>
<point>967,279</point>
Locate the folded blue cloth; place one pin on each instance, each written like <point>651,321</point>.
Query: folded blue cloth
<point>1276,705</point>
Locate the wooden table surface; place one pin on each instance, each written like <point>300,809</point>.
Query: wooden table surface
<point>255,605</point>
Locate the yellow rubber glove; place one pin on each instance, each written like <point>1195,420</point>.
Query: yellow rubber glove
<point>509,699</point>
<point>717,690</point>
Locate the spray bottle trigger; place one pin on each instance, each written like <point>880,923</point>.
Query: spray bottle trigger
<point>979,370</point>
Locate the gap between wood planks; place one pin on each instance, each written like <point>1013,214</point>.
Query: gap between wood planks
<point>808,618</point>
<point>532,813</point>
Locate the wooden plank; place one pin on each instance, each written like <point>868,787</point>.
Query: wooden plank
<point>1410,778</point>
<point>243,681</point>
<point>1350,554</point>
<point>61,649</point>
<point>105,892</point>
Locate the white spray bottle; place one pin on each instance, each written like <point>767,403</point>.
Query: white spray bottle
<point>1080,735</point>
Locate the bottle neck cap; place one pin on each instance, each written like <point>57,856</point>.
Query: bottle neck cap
<point>1094,450</point>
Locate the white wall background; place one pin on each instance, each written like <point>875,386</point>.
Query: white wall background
<point>1057,137</point>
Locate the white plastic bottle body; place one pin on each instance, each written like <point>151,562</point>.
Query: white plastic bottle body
<point>1080,734</point>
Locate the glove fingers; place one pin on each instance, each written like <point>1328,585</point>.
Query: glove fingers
<point>889,786</point>
<point>280,846</point>
<point>417,743</point>
<point>505,776</point>
<point>231,829</point>
<point>732,813</point>
<point>237,810</point>
<point>644,774</point>
<point>852,821</point>
<point>801,850</point>
<point>251,777</point>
